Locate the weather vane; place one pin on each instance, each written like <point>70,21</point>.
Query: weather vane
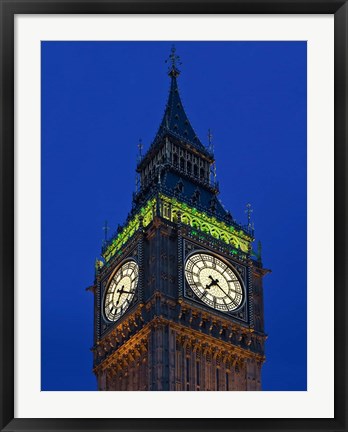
<point>174,59</point>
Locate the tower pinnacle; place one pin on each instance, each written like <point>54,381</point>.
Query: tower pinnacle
<point>175,61</point>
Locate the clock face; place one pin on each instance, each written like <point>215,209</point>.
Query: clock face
<point>120,291</point>
<point>214,282</point>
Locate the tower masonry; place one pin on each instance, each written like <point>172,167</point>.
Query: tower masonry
<point>178,289</point>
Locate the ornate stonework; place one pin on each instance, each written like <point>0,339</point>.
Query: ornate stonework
<point>166,334</point>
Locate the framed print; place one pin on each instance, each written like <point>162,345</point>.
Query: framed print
<point>173,205</point>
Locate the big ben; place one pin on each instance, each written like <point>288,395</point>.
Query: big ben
<point>178,290</point>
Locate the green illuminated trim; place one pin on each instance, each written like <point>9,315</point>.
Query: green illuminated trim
<point>201,221</point>
<point>147,213</point>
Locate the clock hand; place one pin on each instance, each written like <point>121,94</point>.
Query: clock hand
<point>120,291</point>
<point>226,294</point>
<point>223,290</point>
<point>213,282</point>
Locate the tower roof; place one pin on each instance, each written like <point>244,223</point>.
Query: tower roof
<point>175,121</point>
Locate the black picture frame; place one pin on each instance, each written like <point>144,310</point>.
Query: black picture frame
<point>8,9</point>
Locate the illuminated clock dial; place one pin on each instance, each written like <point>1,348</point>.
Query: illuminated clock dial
<point>214,282</point>
<point>120,291</point>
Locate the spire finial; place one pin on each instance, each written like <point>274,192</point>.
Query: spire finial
<point>248,211</point>
<point>175,61</point>
<point>106,228</point>
<point>140,148</point>
<point>210,141</point>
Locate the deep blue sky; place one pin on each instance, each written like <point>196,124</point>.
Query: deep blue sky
<point>98,99</point>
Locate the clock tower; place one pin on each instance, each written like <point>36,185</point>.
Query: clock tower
<point>178,289</point>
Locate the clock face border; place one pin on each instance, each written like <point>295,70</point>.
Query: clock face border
<point>231,313</point>
<point>107,284</point>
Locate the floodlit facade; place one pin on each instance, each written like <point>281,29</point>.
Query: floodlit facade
<point>178,290</point>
